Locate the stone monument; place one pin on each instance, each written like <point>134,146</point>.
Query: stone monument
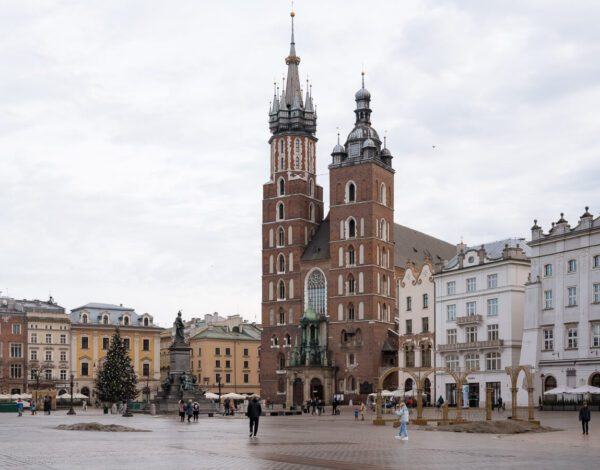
<point>181,384</point>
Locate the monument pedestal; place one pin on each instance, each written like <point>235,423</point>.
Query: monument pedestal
<point>180,384</point>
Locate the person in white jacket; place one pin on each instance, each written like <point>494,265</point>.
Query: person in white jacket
<point>403,413</point>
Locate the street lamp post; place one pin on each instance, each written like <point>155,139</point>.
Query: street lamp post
<point>71,410</point>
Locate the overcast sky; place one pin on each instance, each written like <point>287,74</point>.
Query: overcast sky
<point>133,134</point>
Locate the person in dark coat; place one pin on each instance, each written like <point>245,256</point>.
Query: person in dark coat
<point>189,410</point>
<point>584,417</point>
<point>253,413</point>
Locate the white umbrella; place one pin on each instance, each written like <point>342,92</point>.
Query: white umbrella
<point>4,396</point>
<point>254,395</point>
<point>398,393</point>
<point>233,396</point>
<point>587,389</point>
<point>80,396</point>
<point>211,396</point>
<point>559,391</point>
<point>26,395</point>
<point>64,396</point>
<point>16,396</point>
<point>387,393</point>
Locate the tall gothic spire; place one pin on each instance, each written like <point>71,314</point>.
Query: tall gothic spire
<point>292,87</point>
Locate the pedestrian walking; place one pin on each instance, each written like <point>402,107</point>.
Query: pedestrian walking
<point>181,411</point>
<point>32,407</point>
<point>253,413</point>
<point>356,413</point>
<point>403,413</point>
<point>500,404</point>
<point>196,409</point>
<point>189,410</point>
<point>84,405</point>
<point>313,405</point>
<point>584,417</point>
<point>47,405</point>
<point>20,407</point>
<point>226,406</point>
<point>362,410</point>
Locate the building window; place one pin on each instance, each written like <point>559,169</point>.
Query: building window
<point>425,324</point>
<point>596,293</point>
<point>492,332</point>
<point>48,356</point>
<point>246,378</point>
<point>572,337</point>
<point>63,374</point>
<point>85,342</point>
<point>16,371</point>
<point>48,374</point>
<point>281,187</point>
<point>492,361</point>
<point>281,361</point>
<point>315,287</point>
<point>34,338</point>
<point>492,281</point>
<point>49,339</point>
<point>280,237</point>
<point>246,352</point>
<point>351,228</point>
<point>409,356</point>
<point>409,327</point>
<point>217,351</point>
<point>472,361</point>
<point>33,355</point>
<point>16,350</point>
<point>281,264</point>
<point>451,288</point>
<point>63,356</point>
<point>572,296</point>
<point>548,339</point>
<point>452,362</point>
<point>281,320</point>
<point>425,355</point>
<point>409,303</point>
<point>596,335</point>
<point>145,344</point>
<point>351,192</point>
<point>16,328</point>
<point>471,332</point>
<point>126,344</point>
<point>351,256</point>
<point>451,312</point>
<point>547,270</point>
<point>451,336</point>
<point>492,307</point>
<point>548,303</point>
<point>146,321</point>
<point>274,341</point>
<point>63,339</point>
<point>350,312</point>
<point>246,365</point>
<point>105,343</point>
<point>281,290</point>
<point>471,308</point>
<point>280,211</point>
<point>105,319</point>
<point>471,284</point>
<point>84,318</point>
<point>425,300</point>
<point>596,261</point>
<point>351,284</point>
<point>227,378</point>
<point>217,363</point>
<point>218,378</point>
<point>84,369</point>
<point>572,266</point>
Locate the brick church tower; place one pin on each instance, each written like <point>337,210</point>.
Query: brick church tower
<point>292,212</point>
<point>362,287</point>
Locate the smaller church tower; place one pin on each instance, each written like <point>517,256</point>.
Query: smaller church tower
<point>362,288</point>
<point>292,212</point>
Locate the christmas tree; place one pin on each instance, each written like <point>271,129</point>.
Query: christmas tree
<point>116,380</point>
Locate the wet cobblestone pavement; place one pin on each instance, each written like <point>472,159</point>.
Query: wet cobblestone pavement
<point>295,442</point>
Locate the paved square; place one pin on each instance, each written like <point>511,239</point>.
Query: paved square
<point>31,442</point>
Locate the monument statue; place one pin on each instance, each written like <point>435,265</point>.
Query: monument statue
<point>179,327</point>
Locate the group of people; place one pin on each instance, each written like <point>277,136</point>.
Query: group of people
<point>46,406</point>
<point>316,406</point>
<point>189,410</point>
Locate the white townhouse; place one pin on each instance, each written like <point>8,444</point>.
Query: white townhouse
<point>480,296</point>
<point>562,305</point>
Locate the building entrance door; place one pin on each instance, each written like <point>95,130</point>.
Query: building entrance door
<point>298,392</point>
<point>473,395</point>
<point>316,389</point>
<point>451,394</point>
<point>495,386</point>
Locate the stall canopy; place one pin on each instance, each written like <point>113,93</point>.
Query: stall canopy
<point>559,391</point>
<point>587,389</point>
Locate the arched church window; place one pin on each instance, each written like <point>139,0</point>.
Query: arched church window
<point>280,211</point>
<point>281,317</point>
<point>281,290</point>
<point>281,155</point>
<point>281,361</point>
<point>280,237</point>
<point>297,154</point>
<point>311,188</point>
<point>281,186</point>
<point>311,212</point>
<point>351,228</point>
<point>281,263</point>
<point>351,256</point>
<point>351,192</point>
<point>351,284</point>
<point>316,297</point>
<point>383,194</point>
<point>350,311</point>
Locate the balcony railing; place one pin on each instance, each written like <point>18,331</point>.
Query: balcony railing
<point>494,343</point>
<point>469,319</point>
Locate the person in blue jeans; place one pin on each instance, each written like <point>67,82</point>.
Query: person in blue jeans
<point>403,413</point>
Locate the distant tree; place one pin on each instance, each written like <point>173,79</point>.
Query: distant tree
<point>116,380</point>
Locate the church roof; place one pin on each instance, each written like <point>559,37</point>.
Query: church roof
<point>412,245</point>
<point>318,247</point>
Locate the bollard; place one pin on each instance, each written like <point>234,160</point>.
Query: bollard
<point>488,404</point>
<point>445,411</point>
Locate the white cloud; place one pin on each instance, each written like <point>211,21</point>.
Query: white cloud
<point>133,133</point>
